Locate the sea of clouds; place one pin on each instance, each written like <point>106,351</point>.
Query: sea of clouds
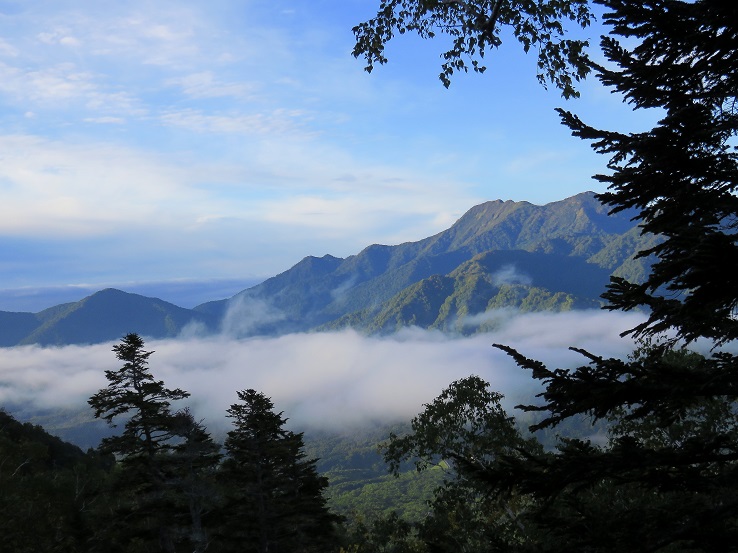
<point>327,380</point>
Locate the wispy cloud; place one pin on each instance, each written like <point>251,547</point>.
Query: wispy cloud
<point>270,124</point>
<point>509,274</point>
<point>83,188</point>
<point>105,120</point>
<point>7,50</point>
<point>206,84</point>
<point>187,126</point>
<point>60,36</point>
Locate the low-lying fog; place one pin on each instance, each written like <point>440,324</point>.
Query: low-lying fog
<point>321,380</point>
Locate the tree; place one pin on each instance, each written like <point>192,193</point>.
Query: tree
<point>273,495</point>
<point>144,518</point>
<point>133,392</point>
<point>475,27</point>
<point>193,464</point>
<point>682,177</point>
<point>682,174</point>
<point>645,490</point>
<point>47,490</point>
<point>462,431</point>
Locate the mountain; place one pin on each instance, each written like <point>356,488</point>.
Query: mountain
<point>104,316</point>
<point>499,254</point>
<point>487,282</point>
<point>511,254</point>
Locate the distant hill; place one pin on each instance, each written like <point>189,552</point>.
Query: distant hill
<point>104,316</point>
<point>507,254</point>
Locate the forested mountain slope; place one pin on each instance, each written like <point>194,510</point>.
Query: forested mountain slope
<point>499,254</point>
<point>101,317</point>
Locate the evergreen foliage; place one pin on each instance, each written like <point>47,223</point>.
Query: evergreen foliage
<point>667,479</point>
<point>162,483</point>
<point>144,516</point>
<point>191,483</point>
<point>273,494</point>
<point>49,490</point>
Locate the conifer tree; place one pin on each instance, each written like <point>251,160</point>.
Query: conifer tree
<point>668,478</point>
<point>145,515</point>
<point>679,494</point>
<point>273,495</point>
<point>193,464</point>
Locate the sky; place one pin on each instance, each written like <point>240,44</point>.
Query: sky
<point>163,146</point>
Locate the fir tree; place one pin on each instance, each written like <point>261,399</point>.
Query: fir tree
<point>678,494</point>
<point>668,478</point>
<point>273,495</point>
<point>193,463</point>
<point>144,517</point>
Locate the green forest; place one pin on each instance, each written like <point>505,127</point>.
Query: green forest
<point>664,480</point>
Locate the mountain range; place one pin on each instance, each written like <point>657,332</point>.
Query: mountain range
<point>499,254</point>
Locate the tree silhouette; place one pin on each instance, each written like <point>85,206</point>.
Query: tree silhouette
<point>273,494</point>
<point>144,518</point>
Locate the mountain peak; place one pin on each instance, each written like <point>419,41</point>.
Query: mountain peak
<point>562,253</point>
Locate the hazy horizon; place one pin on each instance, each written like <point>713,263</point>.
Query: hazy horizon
<point>183,293</point>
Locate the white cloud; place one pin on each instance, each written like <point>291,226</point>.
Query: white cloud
<point>65,188</point>
<point>509,274</point>
<point>105,120</point>
<point>58,86</point>
<point>82,188</point>
<point>54,83</point>
<point>206,84</point>
<point>60,36</point>
<point>244,314</point>
<point>7,50</point>
<point>151,34</point>
<point>275,123</point>
<point>325,380</point>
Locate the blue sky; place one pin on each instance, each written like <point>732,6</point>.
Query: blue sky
<point>159,143</point>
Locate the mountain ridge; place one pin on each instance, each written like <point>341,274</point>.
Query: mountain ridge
<point>102,316</point>
<point>564,253</point>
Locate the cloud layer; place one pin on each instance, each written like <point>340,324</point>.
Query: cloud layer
<point>321,380</point>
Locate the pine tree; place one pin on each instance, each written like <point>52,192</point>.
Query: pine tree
<point>668,478</point>
<point>273,495</point>
<point>193,464</point>
<point>677,494</point>
<point>144,518</point>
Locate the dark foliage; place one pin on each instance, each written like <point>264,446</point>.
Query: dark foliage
<point>273,495</point>
<point>476,26</point>
<point>49,490</point>
<point>144,513</point>
<point>681,176</point>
